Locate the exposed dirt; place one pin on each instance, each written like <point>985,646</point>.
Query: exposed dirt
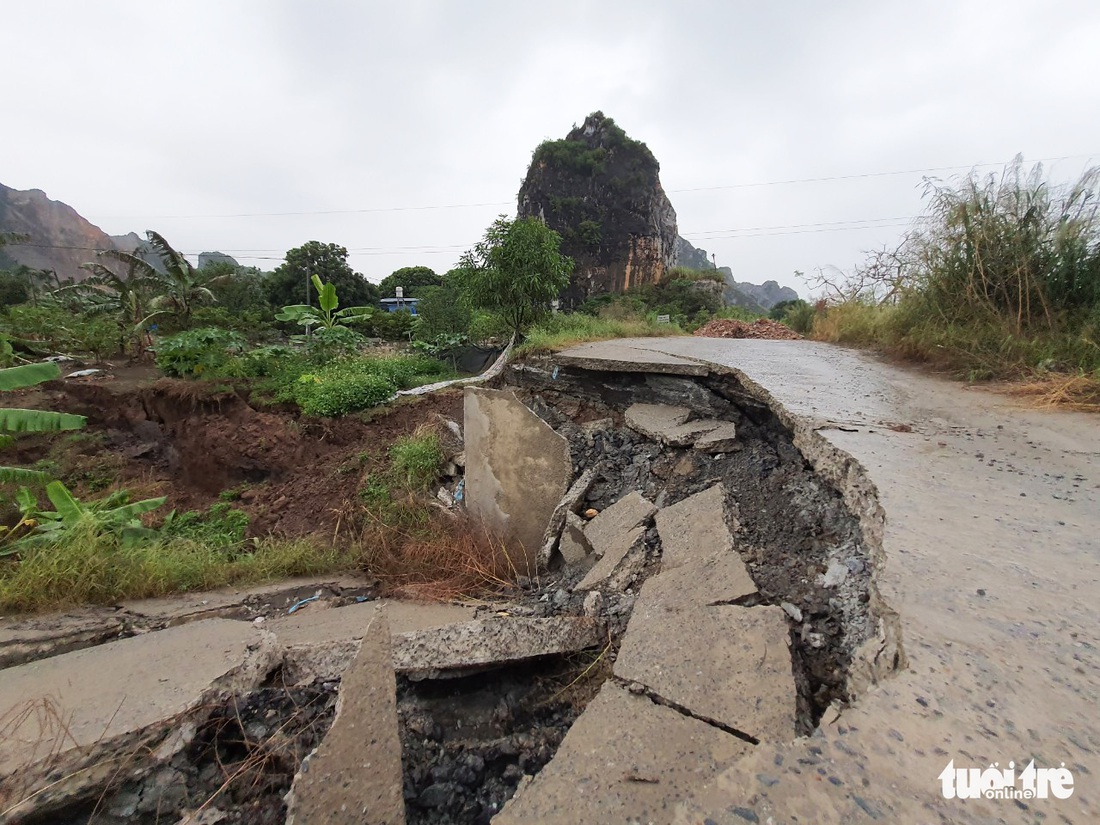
<point>191,441</point>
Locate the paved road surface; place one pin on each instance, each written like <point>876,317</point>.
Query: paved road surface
<point>993,560</point>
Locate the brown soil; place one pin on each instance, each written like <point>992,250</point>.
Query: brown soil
<point>191,441</point>
<point>760,328</point>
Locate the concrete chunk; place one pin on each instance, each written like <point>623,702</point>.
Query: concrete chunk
<point>486,642</point>
<point>722,439</point>
<point>574,546</point>
<point>355,774</point>
<point>566,507</point>
<point>668,424</point>
<point>517,470</point>
<point>626,759</point>
<point>694,529</point>
<point>606,529</point>
<point>728,664</point>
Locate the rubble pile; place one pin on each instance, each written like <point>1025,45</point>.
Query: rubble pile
<point>761,328</point>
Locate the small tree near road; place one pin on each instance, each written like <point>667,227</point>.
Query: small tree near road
<point>516,270</point>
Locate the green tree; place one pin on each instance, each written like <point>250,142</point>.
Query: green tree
<point>516,270</point>
<point>413,279</point>
<point>13,290</point>
<point>179,286</point>
<point>291,282</point>
<point>442,311</point>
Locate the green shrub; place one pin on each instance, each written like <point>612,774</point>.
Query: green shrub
<point>417,460</point>
<point>340,395</point>
<point>197,351</point>
<point>325,344</point>
<point>53,328</point>
<point>442,312</point>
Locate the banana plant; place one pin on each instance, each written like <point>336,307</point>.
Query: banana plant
<point>327,316</point>
<point>115,514</point>
<point>26,421</point>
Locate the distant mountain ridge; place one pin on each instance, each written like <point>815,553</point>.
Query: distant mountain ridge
<point>60,239</point>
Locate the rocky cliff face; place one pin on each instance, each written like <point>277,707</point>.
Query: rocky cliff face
<point>60,239</point>
<point>767,294</point>
<point>602,193</point>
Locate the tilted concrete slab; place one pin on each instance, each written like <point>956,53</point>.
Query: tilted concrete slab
<point>722,439</point>
<point>109,706</point>
<point>632,510</point>
<point>626,759</point>
<point>613,356</point>
<point>355,775</point>
<point>312,626</point>
<point>613,533</point>
<point>487,642</point>
<point>668,424</point>
<point>727,664</point>
<point>27,638</point>
<point>694,529</point>
<point>566,507</point>
<point>517,470</point>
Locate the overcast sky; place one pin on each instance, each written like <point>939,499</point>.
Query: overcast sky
<point>401,129</point>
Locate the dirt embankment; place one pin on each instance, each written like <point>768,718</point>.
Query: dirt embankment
<point>194,442</point>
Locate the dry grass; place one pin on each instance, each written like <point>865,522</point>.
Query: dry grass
<point>1068,392</point>
<point>457,559</point>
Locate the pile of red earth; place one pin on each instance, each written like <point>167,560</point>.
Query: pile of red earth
<point>760,328</point>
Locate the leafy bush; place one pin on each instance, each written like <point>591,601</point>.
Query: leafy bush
<point>197,351</point>
<point>340,395</point>
<point>442,312</point>
<point>328,343</point>
<point>53,328</point>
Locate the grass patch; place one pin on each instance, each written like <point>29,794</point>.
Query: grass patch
<point>417,459</point>
<point>87,567</point>
<point>563,331</point>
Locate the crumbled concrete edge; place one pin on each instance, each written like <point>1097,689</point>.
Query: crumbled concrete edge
<point>35,789</point>
<point>883,654</point>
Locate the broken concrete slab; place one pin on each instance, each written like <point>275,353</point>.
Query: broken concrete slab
<point>614,553</point>
<point>726,664</point>
<point>574,546</point>
<point>694,529</point>
<point>235,602</point>
<point>108,710</point>
<point>566,507</point>
<point>613,533</point>
<point>668,424</point>
<point>717,580</point>
<point>631,511</point>
<point>722,439</point>
<point>487,642</point>
<point>619,356</point>
<point>322,644</point>
<point>517,470</point>
<point>355,774</point>
<point>25,639</point>
<point>626,759</point>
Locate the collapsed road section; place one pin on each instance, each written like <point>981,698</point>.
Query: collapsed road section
<point>695,576</point>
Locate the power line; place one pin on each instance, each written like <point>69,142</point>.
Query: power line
<point>715,233</point>
<point>751,185</point>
